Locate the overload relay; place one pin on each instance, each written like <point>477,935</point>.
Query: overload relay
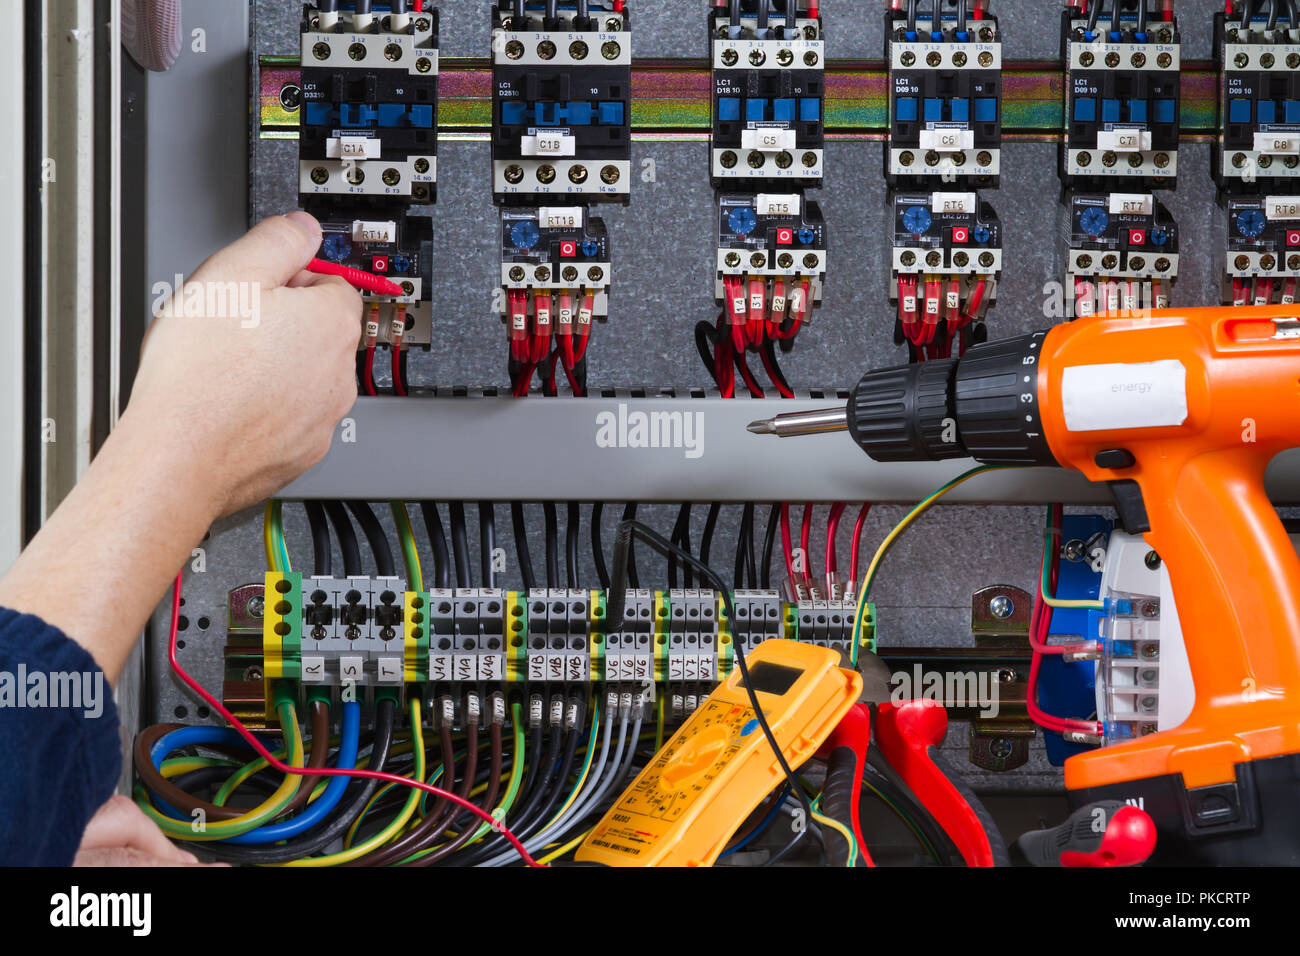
<point>768,97</point>
<point>1263,261</point>
<point>947,258</point>
<point>771,236</point>
<point>1258,149</point>
<point>369,117</point>
<point>561,101</point>
<point>399,250</point>
<point>558,249</point>
<point>1122,98</point>
<point>945,98</point>
<point>1122,252</point>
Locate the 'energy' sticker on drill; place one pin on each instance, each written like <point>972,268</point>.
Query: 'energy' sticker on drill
<point>1134,395</point>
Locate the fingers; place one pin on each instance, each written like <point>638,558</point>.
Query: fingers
<point>272,253</point>
<point>334,304</point>
<point>121,824</point>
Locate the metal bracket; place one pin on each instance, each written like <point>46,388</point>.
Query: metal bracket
<point>1000,619</point>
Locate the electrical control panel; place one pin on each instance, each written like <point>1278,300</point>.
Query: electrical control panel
<point>1263,259</point>
<point>1122,99</point>
<point>1122,252</point>
<point>945,98</point>
<point>562,103</point>
<point>771,236</point>
<point>1258,147</point>
<point>768,98</point>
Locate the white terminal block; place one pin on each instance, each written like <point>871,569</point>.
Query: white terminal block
<point>548,144</point>
<point>353,147</point>
<point>947,140</point>
<point>1277,144</point>
<point>560,217</point>
<point>1124,140</point>
<point>366,232</point>
<point>778,204</point>
<point>1282,208</point>
<point>963,203</point>
<point>768,139</point>
<point>1133,204</point>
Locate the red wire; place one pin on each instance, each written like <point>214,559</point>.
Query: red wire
<point>857,541</point>
<point>369,375</point>
<point>355,277</point>
<point>750,382</point>
<point>784,390</point>
<point>785,540</point>
<point>805,539</point>
<point>832,525</point>
<point>284,768</point>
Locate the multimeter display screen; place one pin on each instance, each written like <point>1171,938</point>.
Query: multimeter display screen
<point>773,678</point>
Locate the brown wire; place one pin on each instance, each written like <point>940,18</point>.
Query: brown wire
<point>440,814</point>
<point>488,804</point>
<point>188,803</point>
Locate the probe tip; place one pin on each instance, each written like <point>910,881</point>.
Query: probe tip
<point>765,427</point>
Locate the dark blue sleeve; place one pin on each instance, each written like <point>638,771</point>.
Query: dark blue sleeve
<point>59,748</point>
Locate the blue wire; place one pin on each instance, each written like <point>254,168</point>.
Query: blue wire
<point>321,807</point>
<point>758,830</point>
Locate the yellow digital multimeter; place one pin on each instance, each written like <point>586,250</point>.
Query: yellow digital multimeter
<point>682,809</point>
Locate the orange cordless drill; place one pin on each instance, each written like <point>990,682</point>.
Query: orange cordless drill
<point>1180,413</point>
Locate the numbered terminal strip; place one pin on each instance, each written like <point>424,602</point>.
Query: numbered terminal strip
<point>945,97</point>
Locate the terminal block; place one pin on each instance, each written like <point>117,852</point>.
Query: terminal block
<point>555,271</point>
<point>369,117</point>
<point>1263,260</point>
<point>771,264</point>
<point>1122,253</point>
<point>945,98</point>
<point>768,97</point>
<point>1258,149</point>
<point>1122,96</point>
<point>561,101</point>
<point>947,259</point>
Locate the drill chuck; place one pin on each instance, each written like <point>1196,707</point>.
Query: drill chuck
<point>983,406</point>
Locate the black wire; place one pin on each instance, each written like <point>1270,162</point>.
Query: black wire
<point>1247,11</point>
<point>936,20</point>
<point>710,526</point>
<point>913,8</point>
<point>1115,20</point>
<point>322,836</point>
<point>706,335</point>
<point>522,554</point>
<point>762,15</point>
<point>322,548</point>
<point>460,544</point>
<point>617,603</point>
<point>740,547</point>
<point>769,544</point>
<point>598,546</point>
<point>572,524</point>
<point>552,544</point>
<point>438,542</point>
<point>1094,14</point>
<point>521,22</point>
<point>629,514</point>
<point>735,14</point>
<point>347,536</point>
<point>778,376</point>
<point>487,543</point>
<point>1273,10</point>
<point>961,15</point>
<point>375,537</point>
<point>1142,16</point>
<point>362,6</point>
<point>791,18</point>
<point>677,537</point>
<point>747,525</point>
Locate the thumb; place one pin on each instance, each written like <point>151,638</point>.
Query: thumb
<point>271,253</point>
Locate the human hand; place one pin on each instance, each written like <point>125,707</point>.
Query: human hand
<point>249,367</point>
<point>119,834</point>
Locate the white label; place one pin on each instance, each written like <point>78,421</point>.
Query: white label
<point>374,231</point>
<point>947,140</point>
<point>1124,140</point>
<point>559,217</point>
<point>353,147</point>
<point>738,305</point>
<point>772,204</point>
<point>1133,204</point>
<point>1130,395</point>
<point>757,301</point>
<point>440,666</point>
<point>953,300</point>
<point>313,669</point>
<point>584,316</point>
<point>548,144</point>
<point>953,202</point>
<point>768,139</point>
<point>909,303</point>
<point>1278,144</point>
<point>566,317</point>
<point>519,321</point>
<point>390,670</point>
<point>778,304</point>
<point>1281,207</point>
<point>931,306</point>
<point>351,668</point>
<point>492,667</point>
